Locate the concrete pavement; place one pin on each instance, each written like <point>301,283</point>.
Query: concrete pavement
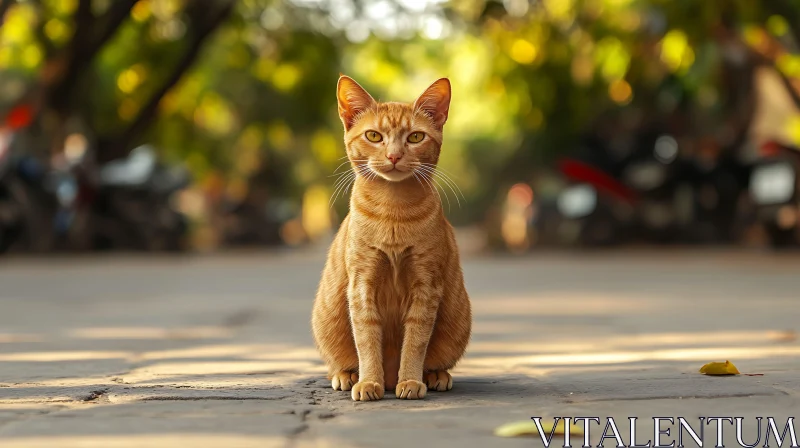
<point>216,351</point>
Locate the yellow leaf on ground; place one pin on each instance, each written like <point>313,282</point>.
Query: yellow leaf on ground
<point>528,427</point>
<point>719,368</point>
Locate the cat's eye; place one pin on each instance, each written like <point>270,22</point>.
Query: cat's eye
<point>373,136</point>
<point>416,137</point>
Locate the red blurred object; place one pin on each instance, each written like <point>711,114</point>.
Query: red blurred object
<point>770,148</point>
<point>20,116</point>
<point>582,172</point>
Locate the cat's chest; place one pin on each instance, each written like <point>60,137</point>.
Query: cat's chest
<point>396,257</point>
<point>396,275</point>
<point>391,238</point>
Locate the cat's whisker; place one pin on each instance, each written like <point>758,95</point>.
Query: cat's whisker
<point>414,173</point>
<point>364,169</point>
<point>345,163</point>
<point>428,176</point>
<point>337,168</point>
<point>438,183</point>
<point>453,184</point>
<point>342,178</point>
<point>447,175</point>
<point>337,174</point>
<point>352,182</point>
<point>434,189</point>
<point>453,187</point>
<point>343,173</point>
<point>346,180</point>
<point>420,179</point>
<point>432,172</point>
<point>447,180</point>
<point>440,170</point>
<point>373,174</point>
<point>346,186</point>
<point>337,190</point>
<point>446,196</point>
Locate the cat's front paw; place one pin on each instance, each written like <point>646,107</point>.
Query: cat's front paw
<point>367,391</point>
<point>410,390</point>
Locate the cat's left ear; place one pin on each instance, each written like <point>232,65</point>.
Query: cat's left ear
<point>435,101</point>
<point>353,100</point>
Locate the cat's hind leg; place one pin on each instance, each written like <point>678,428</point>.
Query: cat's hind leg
<point>343,380</point>
<point>448,341</point>
<point>333,335</point>
<point>438,380</point>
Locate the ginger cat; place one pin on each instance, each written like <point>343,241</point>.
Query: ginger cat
<point>391,310</point>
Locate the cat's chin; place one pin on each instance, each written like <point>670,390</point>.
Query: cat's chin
<point>395,175</point>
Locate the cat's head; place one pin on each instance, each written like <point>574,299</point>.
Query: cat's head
<point>392,140</point>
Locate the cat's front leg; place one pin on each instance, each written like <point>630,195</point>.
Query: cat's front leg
<point>368,333</point>
<point>418,327</point>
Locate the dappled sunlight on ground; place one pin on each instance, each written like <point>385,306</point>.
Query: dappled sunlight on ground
<point>237,366</point>
<point>212,367</point>
<point>150,333</point>
<point>61,356</point>
<point>587,304</point>
<point>7,338</point>
<point>565,343</point>
<point>621,357</point>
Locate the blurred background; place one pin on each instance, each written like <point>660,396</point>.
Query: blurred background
<point>180,125</point>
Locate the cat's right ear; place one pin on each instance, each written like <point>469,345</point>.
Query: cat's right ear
<point>353,100</point>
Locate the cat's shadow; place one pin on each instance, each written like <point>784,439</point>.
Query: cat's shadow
<point>467,391</point>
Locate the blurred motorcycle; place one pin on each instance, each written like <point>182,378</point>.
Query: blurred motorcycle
<point>774,190</point>
<point>10,210</point>
<point>717,215</point>
<point>140,191</point>
<point>126,204</point>
<point>652,194</point>
<point>595,209</point>
<point>656,175</point>
<point>25,207</point>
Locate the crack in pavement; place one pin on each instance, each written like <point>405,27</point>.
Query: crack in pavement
<point>95,395</point>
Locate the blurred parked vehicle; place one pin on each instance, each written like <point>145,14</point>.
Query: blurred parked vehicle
<point>774,190</point>
<point>11,198</point>
<point>595,209</point>
<point>135,195</point>
<point>655,174</point>
<point>717,192</point>
<point>648,193</point>
<point>125,204</point>
<point>684,198</point>
<point>25,206</point>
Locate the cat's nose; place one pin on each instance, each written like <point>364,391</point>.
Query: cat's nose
<point>394,158</point>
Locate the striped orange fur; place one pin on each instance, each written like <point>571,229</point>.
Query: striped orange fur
<point>391,310</point>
